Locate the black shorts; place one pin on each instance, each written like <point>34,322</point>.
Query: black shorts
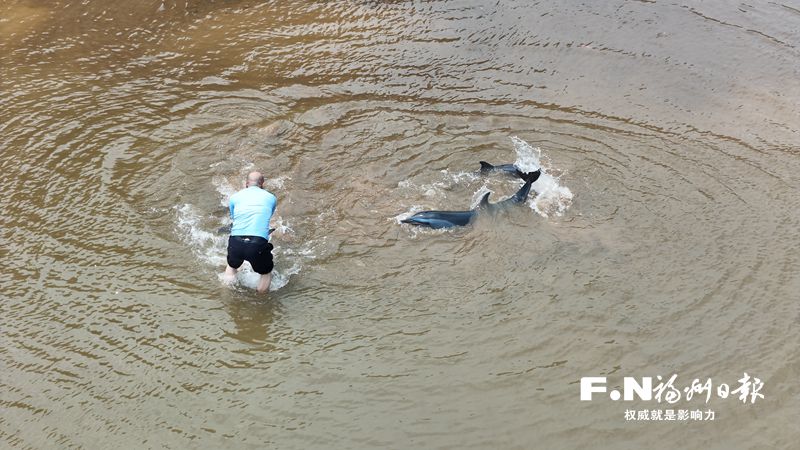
<point>253,249</point>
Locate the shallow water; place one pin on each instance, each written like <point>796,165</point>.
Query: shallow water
<point>123,127</point>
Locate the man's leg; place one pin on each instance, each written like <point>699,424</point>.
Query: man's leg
<point>230,275</point>
<point>234,260</point>
<point>262,263</point>
<point>264,282</point>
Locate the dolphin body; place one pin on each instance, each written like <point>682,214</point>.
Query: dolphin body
<point>510,169</point>
<point>442,219</point>
<point>448,219</point>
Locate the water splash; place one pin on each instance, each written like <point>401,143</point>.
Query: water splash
<point>225,190</point>
<point>206,245</point>
<point>551,197</point>
<point>438,189</point>
<point>528,157</point>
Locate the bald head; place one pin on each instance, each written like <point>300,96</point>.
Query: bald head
<point>255,179</point>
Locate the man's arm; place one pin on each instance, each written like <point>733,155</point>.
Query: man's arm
<point>272,214</point>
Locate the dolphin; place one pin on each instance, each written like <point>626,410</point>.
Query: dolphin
<point>442,219</point>
<point>510,169</point>
<point>448,219</point>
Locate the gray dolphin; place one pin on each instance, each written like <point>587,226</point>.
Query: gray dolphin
<point>448,219</point>
<point>510,169</point>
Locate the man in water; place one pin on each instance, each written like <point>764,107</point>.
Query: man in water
<point>251,209</point>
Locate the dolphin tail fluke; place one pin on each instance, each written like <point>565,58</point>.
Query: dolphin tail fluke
<point>486,167</point>
<point>531,176</point>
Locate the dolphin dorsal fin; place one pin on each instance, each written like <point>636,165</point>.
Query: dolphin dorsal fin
<point>485,166</point>
<point>484,200</point>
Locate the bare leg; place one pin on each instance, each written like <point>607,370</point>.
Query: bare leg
<point>230,275</point>
<point>264,282</point>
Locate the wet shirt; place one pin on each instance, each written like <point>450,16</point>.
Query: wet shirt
<point>251,210</point>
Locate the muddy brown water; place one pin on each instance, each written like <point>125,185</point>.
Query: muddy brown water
<point>124,126</point>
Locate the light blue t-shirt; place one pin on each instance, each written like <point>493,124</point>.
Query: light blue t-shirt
<point>251,210</point>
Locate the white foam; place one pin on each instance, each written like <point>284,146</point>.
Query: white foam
<point>460,177</point>
<point>276,183</point>
<point>203,243</point>
<point>281,227</point>
<point>405,215</point>
<point>528,157</point>
<point>438,189</point>
<point>248,278</point>
<point>224,188</point>
<point>551,197</point>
